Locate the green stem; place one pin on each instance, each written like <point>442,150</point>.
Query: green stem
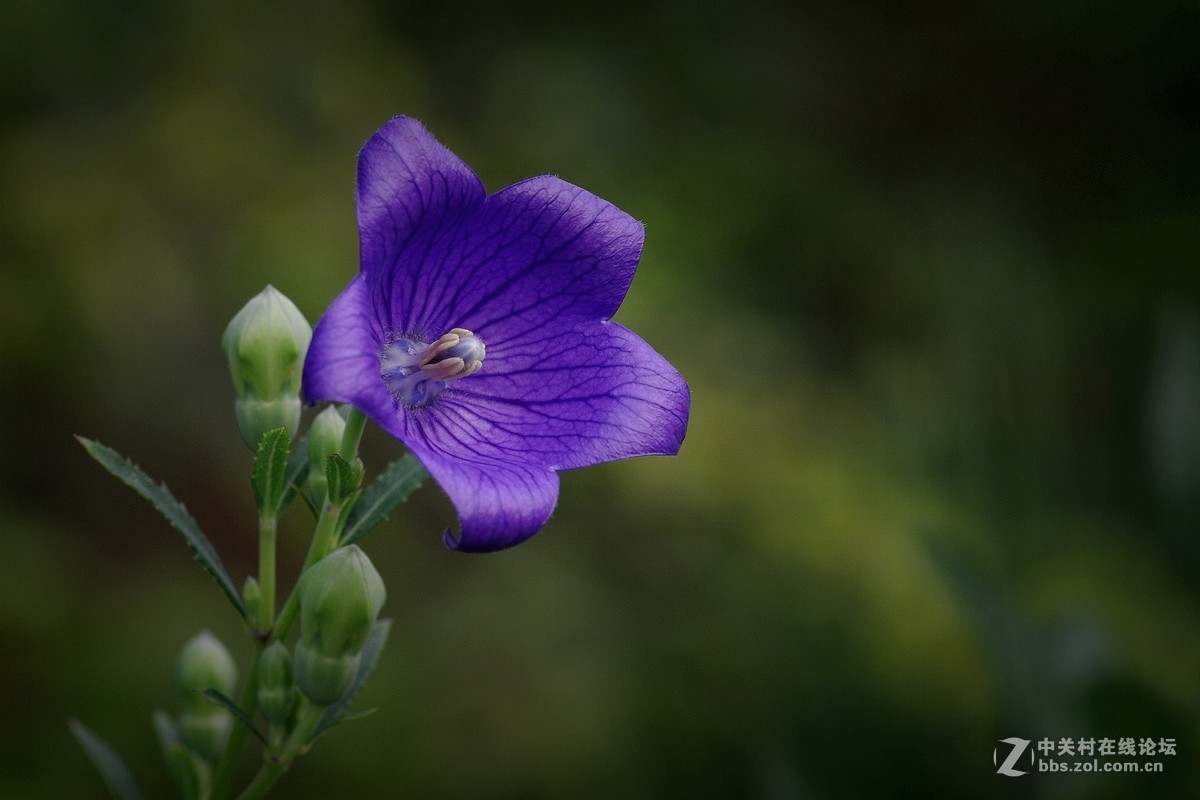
<point>352,434</point>
<point>266,572</point>
<point>323,543</point>
<point>306,722</point>
<point>270,772</point>
<point>324,539</point>
<point>227,767</point>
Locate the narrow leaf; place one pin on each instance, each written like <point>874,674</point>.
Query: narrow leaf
<point>116,775</point>
<point>393,486</point>
<point>371,651</point>
<point>175,512</point>
<point>232,707</point>
<point>297,471</point>
<point>351,717</point>
<point>165,728</point>
<point>192,776</point>
<point>270,471</point>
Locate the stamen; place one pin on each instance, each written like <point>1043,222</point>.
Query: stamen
<point>415,372</point>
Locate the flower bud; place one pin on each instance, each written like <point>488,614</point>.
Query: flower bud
<point>266,343</point>
<point>324,439</point>
<point>276,692</point>
<point>203,664</point>
<point>323,679</point>
<point>340,598</point>
<point>251,596</point>
<point>256,417</point>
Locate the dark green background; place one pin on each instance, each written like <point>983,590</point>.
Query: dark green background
<point>930,269</point>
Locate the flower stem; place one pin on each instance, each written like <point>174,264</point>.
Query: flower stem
<point>266,572</point>
<point>323,543</point>
<point>307,719</point>
<point>227,767</point>
<point>263,781</point>
<point>352,433</point>
<point>324,539</point>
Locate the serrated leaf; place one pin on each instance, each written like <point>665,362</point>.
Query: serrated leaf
<point>232,707</point>
<point>393,486</point>
<point>372,648</point>
<point>297,471</point>
<point>117,777</point>
<point>351,717</point>
<point>176,513</point>
<point>340,476</point>
<point>270,471</point>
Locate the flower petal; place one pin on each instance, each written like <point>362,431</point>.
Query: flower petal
<point>342,365</point>
<point>412,192</point>
<point>494,445</point>
<point>571,400</point>
<point>541,252</point>
<point>500,502</point>
<point>536,271</point>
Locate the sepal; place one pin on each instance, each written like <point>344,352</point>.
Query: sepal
<point>270,471</point>
<point>323,679</point>
<point>257,417</point>
<point>343,478</point>
<point>368,658</point>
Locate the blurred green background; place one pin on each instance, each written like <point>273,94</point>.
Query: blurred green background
<point>929,268</point>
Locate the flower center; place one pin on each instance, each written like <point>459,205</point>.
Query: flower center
<point>415,372</point>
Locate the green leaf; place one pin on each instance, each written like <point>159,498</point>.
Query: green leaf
<point>372,648</point>
<point>192,775</point>
<point>175,512</point>
<point>270,471</point>
<point>116,775</point>
<point>165,728</point>
<point>340,475</point>
<point>232,707</point>
<point>297,471</point>
<point>393,486</point>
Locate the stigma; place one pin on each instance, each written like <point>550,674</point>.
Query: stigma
<point>415,372</point>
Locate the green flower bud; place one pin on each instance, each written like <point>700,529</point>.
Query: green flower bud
<point>324,439</point>
<point>256,417</point>
<point>206,734</point>
<point>266,343</point>
<point>203,664</point>
<point>340,598</point>
<point>251,596</point>
<point>323,679</point>
<point>276,692</point>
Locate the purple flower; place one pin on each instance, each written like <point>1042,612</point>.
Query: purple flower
<point>478,334</point>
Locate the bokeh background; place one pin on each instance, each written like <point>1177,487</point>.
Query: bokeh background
<point>930,269</point>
